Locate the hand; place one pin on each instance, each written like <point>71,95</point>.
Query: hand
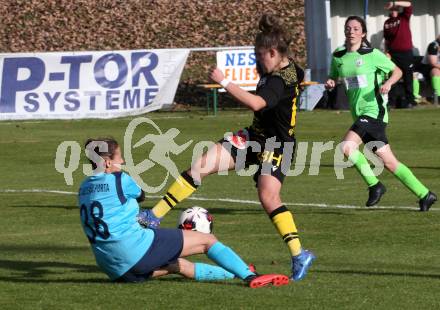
<point>216,75</point>
<point>385,88</point>
<point>330,84</point>
<point>389,5</point>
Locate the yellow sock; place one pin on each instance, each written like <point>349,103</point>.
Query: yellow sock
<point>282,218</point>
<point>182,188</point>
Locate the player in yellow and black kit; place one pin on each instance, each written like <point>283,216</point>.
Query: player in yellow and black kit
<point>273,127</point>
<point>268,142</point>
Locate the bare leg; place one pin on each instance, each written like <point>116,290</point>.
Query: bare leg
<point>195,242</point>
<point>350,143</point>
<point>216,159</point>
<point>390,161</point>
<point>183,267</point>
<point>269,192</point>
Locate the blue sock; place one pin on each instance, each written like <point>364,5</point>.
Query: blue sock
<point>205,272</point>
<point>228,259</point>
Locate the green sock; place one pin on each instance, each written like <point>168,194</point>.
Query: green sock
<point>410,181</point>
<point>362,165</point>
<point>416,88</point>
<point>436,84</point>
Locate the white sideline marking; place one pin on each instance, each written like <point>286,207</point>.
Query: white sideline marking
<point>36,191</point>
<point>239,201</point>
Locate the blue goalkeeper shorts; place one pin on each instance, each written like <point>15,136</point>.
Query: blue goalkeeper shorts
<point>165,250</point>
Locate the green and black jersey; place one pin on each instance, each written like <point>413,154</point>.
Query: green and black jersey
<point>363,73</point>
<point>280,90</point>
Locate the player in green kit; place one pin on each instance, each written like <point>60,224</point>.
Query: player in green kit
<point>364,72</point>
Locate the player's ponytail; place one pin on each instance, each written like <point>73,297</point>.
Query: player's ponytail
<point>365,42</point>
<point>272,35</point>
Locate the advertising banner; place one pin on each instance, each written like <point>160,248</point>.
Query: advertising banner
<point>76,85</point>
<point>239,66</point>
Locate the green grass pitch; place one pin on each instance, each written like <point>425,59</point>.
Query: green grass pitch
<point>385,258</point>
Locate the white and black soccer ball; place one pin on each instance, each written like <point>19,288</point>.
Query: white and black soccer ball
<point>196,218</point>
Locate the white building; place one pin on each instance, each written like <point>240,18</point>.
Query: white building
<point>325,27</point>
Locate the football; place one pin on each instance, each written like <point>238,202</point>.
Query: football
<point>196,218</point>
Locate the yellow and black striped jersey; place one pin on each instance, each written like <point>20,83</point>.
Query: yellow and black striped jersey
<point>280,90</point>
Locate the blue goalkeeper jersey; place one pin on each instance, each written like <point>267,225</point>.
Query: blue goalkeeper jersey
<point>108,209</point>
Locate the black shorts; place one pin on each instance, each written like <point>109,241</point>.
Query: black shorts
<point>165,250</point>
<point>247,149</point>
<point>424,69</point>
<point>371,130</point>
